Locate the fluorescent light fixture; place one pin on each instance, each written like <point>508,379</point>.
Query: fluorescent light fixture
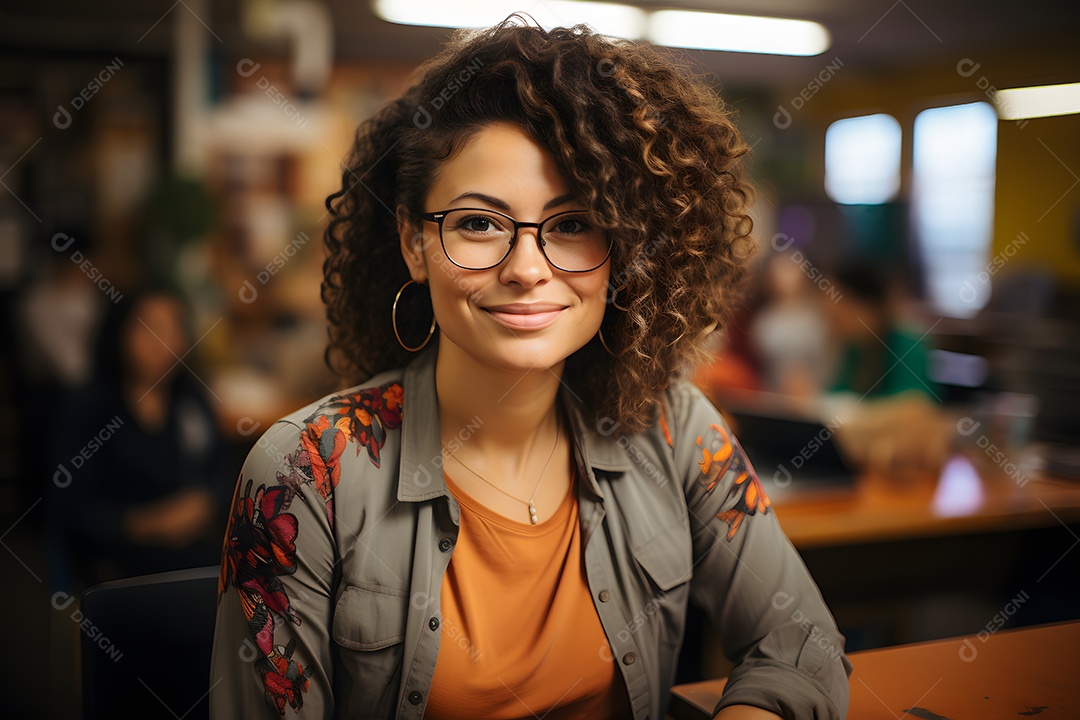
<point>606,18</point>
<point>1035,102</point>
<point>674,28</point>
<point>737,33</point>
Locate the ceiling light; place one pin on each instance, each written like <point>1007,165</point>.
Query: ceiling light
<point>1034,102</point>
<point>674,28</point>
<point>606,18</point>
<point>737,33</point>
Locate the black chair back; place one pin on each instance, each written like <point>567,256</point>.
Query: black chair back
<point>146,646</point>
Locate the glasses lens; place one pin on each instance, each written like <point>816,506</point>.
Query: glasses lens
<point>476,238</point>
<point>572,242</point>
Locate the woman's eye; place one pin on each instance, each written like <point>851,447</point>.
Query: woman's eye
<point>570,226</point>
<point>477,224</point>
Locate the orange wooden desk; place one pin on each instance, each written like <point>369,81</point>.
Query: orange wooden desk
<point>881,510</point>
<point>1029,672</point>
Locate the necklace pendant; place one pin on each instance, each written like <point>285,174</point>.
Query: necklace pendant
<point>532,512</point>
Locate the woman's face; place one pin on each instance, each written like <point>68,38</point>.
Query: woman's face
<point>522,314</point>
<point>154,337</point>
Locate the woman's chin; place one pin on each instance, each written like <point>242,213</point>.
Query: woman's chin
<point>519,355</point>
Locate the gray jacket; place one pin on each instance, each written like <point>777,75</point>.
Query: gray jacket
<point>342,528</point>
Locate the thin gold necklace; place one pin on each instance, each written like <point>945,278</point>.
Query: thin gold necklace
<point>532,507</point>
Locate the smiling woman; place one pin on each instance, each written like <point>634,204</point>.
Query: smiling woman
<point>516,311</point>
<point>517,278</point>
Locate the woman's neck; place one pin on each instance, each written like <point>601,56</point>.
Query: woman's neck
<point>500,412</point>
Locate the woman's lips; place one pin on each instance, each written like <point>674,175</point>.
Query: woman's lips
<point>522,316</point>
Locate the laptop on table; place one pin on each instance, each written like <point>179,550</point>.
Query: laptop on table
<point>797,459</point>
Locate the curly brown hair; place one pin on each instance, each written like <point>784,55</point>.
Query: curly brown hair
<point>647,146</point>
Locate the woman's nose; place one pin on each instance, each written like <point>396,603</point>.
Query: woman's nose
<point>526,264</point>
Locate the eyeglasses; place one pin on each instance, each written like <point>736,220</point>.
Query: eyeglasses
<point>476,239</point>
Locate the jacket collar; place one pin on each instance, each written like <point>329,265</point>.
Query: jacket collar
<point>420,475</point>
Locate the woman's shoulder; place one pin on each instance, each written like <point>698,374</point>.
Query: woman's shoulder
<point>684,415</point>
<point>379,393</point>
<point>685,402</point>
<point>308,446</point>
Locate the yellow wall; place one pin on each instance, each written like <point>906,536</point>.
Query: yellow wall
<point>1037,193</point>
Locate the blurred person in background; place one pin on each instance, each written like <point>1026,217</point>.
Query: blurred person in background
<point>881,390</point>
<point>56,319</point>
<point>139,485</point>
<point>732,369</point>
<point>790,331</point>
<point>514,521</point>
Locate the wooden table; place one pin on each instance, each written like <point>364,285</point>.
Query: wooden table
<point>1031,672</point>
<point>883,510</point>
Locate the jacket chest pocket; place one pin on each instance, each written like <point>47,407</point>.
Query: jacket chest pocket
<point>369,633</point>
<point>666,559</point>
<point>665,568</point>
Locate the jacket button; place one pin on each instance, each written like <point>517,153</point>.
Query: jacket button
<point>629,658</point>
<point>416,697</point>
<point>433,623</point>
<point>445,544</point>
<point>604,596</point>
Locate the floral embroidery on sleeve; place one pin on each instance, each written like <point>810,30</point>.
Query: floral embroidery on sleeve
<point>747,496</point>
<point>260,546</point>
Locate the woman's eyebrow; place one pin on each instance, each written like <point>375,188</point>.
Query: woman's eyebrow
<point>555,202</point>
<point>505,206</point>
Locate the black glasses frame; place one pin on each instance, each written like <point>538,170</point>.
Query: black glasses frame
<point>438,217</point>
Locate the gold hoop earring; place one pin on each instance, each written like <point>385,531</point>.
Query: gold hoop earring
<point>393,321</point>
<point>600,333</point>
<point>614,295</point>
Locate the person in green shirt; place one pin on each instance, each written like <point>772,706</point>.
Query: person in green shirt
<point>878,356</point>
<point>889,409</point>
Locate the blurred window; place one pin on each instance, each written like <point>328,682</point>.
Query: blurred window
<point>955,154</point>
<point>862,159</point>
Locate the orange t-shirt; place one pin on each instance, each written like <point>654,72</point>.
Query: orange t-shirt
<point>520,634</point>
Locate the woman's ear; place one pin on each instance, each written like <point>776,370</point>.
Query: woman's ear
<point>412,245</point>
